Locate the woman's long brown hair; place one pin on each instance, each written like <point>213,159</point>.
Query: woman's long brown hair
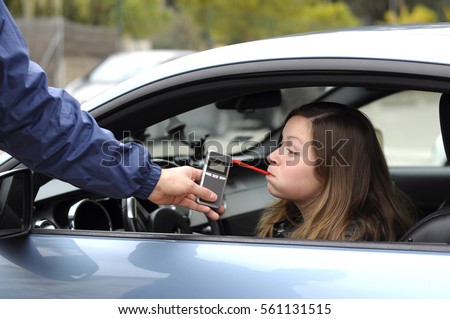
<point>358,197</point>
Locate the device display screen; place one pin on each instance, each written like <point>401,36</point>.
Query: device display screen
<point>217,166</point>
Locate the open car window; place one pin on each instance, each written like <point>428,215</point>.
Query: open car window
<point>248,127</point>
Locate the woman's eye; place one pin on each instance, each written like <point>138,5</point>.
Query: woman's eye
<point>291,152</point>
<point>287,147</point>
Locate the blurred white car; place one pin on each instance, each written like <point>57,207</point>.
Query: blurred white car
<point>117,68</point>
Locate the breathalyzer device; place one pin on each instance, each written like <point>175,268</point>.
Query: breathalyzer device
<point>214,176</point>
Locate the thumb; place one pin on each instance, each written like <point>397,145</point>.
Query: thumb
<point>204,193</point>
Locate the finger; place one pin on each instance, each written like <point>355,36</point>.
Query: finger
<point>204,193</point>
<point>212,215</point>
<point>220,210</point>
<point>192,204</point>
<point>191,197</point>
<point>196,174</point>
<point>208,211</point>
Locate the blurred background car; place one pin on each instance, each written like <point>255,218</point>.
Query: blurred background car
<point>117,68</point>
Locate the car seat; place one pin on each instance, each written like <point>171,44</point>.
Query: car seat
<point>435,227</point>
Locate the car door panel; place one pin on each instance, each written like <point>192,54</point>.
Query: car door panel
<point>106,266</point>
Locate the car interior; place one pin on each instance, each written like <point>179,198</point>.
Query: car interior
<point>246,125</point>
<point>435,227</point>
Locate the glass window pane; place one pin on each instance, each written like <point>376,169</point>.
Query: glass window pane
<point>409,126</point>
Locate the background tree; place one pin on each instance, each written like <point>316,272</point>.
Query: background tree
<point>225,22</point>
<point>368,11</point>
<point>419,14</point>
<point>375,12</point>
<point>438,6</point>
<point>134,18</point>
<point>200,24</point>
<point>182,33</point>
<point>143,18</point>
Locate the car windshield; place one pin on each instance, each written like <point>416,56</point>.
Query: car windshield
<point>225,130</point>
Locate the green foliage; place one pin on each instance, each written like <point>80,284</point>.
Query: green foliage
<point>143,18</point>
<point>14,6</point>
<point>419,14</point>
<point>369,11</point>
<point>134,18</point>
<point>446,11</point>
<point>232,21</point>
<point>199,24</point>
<point>181,34</point>
<point>94,12</point>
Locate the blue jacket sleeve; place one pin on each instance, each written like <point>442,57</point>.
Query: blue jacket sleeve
<point>46,130</point>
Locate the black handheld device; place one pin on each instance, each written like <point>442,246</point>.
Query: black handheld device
<point>215,175</point>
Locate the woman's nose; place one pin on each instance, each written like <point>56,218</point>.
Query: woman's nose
<point>272,157</point>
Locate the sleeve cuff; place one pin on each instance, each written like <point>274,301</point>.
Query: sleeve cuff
<point>147,188</point>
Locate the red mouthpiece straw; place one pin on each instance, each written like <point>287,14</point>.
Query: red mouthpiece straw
<point>250,167</point>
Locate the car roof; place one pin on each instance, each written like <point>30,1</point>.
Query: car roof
<point>424,43</point>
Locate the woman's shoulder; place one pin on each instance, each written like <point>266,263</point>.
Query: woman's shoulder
<point>284,228</point>
<point>350,231</point>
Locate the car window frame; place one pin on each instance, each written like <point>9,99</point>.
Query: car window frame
<point>256,76</point>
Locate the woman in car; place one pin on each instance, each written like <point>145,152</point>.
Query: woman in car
<point>331,180</point>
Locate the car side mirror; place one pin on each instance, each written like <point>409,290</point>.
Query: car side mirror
<point>15,202</point>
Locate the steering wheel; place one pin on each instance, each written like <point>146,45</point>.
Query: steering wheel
<point>144,216</point>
